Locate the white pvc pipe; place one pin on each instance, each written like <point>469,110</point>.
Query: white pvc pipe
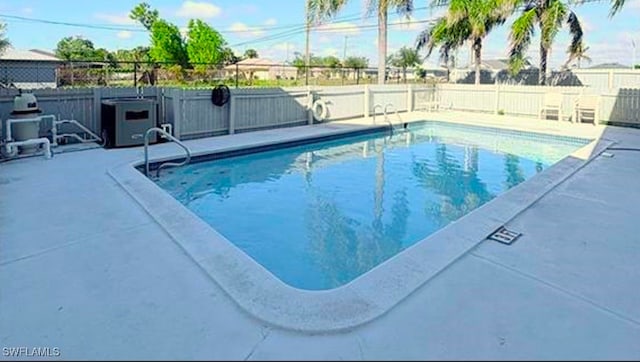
<point>11,121</point>
<point>31,142</point>
<point>55,136</point>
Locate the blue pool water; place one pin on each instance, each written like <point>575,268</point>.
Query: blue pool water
<point>319,215</point>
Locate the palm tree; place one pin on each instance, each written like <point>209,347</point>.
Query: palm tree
<point>323,9</point>
<point>477,18</point>
<point>405,58</point>
<point>579,55</point>
<point>4,42</point>
<point>448,38</point>
<point>403,7</point>
<point>548,15</point>
<point>616,5</point>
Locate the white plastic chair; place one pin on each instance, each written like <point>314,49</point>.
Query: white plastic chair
<point>552,103</point>
<point>587,108</point>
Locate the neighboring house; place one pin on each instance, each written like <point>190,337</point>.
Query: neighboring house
<point>610,66</point>
<point>258,68</point>
<point>28,69</point>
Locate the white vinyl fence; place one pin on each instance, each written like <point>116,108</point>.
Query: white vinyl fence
<point>193,115</point>
<point>80,104</point>
<point>619,105</point>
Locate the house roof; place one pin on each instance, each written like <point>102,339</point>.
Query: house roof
<point>255,64</point>
<point>32,55</point>
<point>500,64</point>
<point>426,65</point>
<point>610,66</point>
<point>496,64</point>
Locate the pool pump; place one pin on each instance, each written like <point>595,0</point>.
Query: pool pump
<point>23,127</point>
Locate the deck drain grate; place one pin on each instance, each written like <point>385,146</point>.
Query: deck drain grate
<point>504,236</point>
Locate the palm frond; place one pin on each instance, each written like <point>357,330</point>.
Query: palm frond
<point>320,10</point>
<point>616,5</point>
<point>403,7</point>
<point>522,31</point>
<point>551,20</point>
<point>4,42</point>
<point>575,29</point>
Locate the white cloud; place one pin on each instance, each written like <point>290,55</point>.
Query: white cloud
<point>124,34</point>
<point>330,52</point>
<point>285,46</point>
<point>324,39</point>
<point>119,19</point>
<point>242,30</point>
<point>195,9</point>
<point>27,10</point>
<point>632,5</point>
<point>344,27</point>
<point>587,26</point>
<point>271,21</point>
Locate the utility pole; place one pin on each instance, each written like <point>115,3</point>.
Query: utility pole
<point>344,54</point>
<point>307,56</point>
<point>344,57</point>
<point>633,44</point>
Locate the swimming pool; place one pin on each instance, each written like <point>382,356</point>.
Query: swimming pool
<point>319,215</point>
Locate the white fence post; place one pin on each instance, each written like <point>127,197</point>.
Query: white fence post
<point>409,98</point>
<point>97,109</point>
<point>309,106</point>
<point>497,104</point>
<point>367,100</point>
<point>610,80</point>
<point>177,113</point>
<point>232,113</point>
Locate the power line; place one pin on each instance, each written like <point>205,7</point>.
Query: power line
<point>292,28</point>
<point>250,28</point>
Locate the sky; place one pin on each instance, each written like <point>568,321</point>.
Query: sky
<point>275,28</point>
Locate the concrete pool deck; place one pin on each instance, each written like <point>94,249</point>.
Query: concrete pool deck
<point>84,268</point>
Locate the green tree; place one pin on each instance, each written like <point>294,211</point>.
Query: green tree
<point>548,16</point>
<point>204,45</point>
<point>229,57</point>
<point>445,37</point>
<point>299,61</point>
<point>102,54</point>
<point>476,19</point>
<point>405,58</point>
<point>76,48</point>
<point>144,15</point>
<point>356,62</point>
<point>250,54</point>
<point>4,42</point>
<point>167,44</point>
<point>319,10</point>
<point>331,62</point>
<point>137,54</point>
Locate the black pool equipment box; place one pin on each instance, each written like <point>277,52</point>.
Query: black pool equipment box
<point>125,121</point>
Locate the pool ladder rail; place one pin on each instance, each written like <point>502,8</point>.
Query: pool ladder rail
<point>165,164</point>
<point>385,112</point>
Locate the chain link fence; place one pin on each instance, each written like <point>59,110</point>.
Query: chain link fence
<point>247,73</point>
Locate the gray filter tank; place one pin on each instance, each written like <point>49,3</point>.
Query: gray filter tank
<point>25,106</point>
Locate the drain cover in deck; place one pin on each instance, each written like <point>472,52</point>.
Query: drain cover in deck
<point>504,236</point>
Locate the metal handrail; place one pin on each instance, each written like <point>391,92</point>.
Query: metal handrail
<point>166,164</point>
<point>395,110</point>
<point>374,112</point>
